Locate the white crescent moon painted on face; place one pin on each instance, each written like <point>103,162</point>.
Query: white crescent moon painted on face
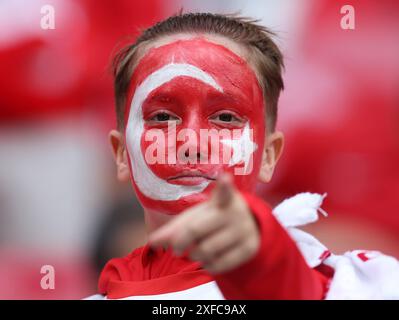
<point>148,183</point>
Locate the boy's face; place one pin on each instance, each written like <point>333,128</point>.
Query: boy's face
<point>194,109</point>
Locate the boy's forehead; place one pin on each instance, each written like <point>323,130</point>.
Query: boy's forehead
<point>197,50</point>
<point>216,56</point>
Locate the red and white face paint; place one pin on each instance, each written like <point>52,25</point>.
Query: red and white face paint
<point>196,87</point>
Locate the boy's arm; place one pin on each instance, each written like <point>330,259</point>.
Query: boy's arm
<point>237,239</point>
<point>277,271</point>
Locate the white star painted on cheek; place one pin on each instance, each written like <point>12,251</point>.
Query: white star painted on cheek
<point>242,148</point>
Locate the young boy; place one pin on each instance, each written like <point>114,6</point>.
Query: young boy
<point>196,100</point>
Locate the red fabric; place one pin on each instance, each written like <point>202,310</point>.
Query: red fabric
<point>147,272</point>
<point>278,270</point>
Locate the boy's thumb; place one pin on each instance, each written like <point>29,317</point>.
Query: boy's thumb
<point>223,191</point>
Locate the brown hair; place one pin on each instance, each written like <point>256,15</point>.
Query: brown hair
<point>264,54</point>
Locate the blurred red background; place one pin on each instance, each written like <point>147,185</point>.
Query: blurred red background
<point>339,112</point>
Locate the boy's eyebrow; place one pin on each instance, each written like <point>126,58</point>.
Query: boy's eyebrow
<point>221,96</point>
<point>227,95</point>
<point>161,97</point>
<point>168,96</point>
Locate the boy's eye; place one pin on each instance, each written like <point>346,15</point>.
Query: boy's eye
<point>227,118</point>
<point>163,117</point>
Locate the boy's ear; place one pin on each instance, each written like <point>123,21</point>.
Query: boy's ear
<point>120,154</point>
<point>271,154</point>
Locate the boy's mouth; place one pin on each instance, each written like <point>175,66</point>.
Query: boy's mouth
<point>191,178</point>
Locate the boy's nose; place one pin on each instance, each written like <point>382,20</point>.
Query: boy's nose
<point>194,152</point>
<point>194,157</point>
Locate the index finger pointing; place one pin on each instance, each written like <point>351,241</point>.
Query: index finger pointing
<point>223,192</point>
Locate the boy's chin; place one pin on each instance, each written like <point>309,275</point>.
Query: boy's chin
<point>173,207</point>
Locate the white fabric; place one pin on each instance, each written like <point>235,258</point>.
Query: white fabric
<point>358,274</point>
<point>207,291</point>
<point>376,276</point>
<point>299,210</point>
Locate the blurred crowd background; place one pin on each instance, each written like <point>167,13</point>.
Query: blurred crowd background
<point>60,203</point>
